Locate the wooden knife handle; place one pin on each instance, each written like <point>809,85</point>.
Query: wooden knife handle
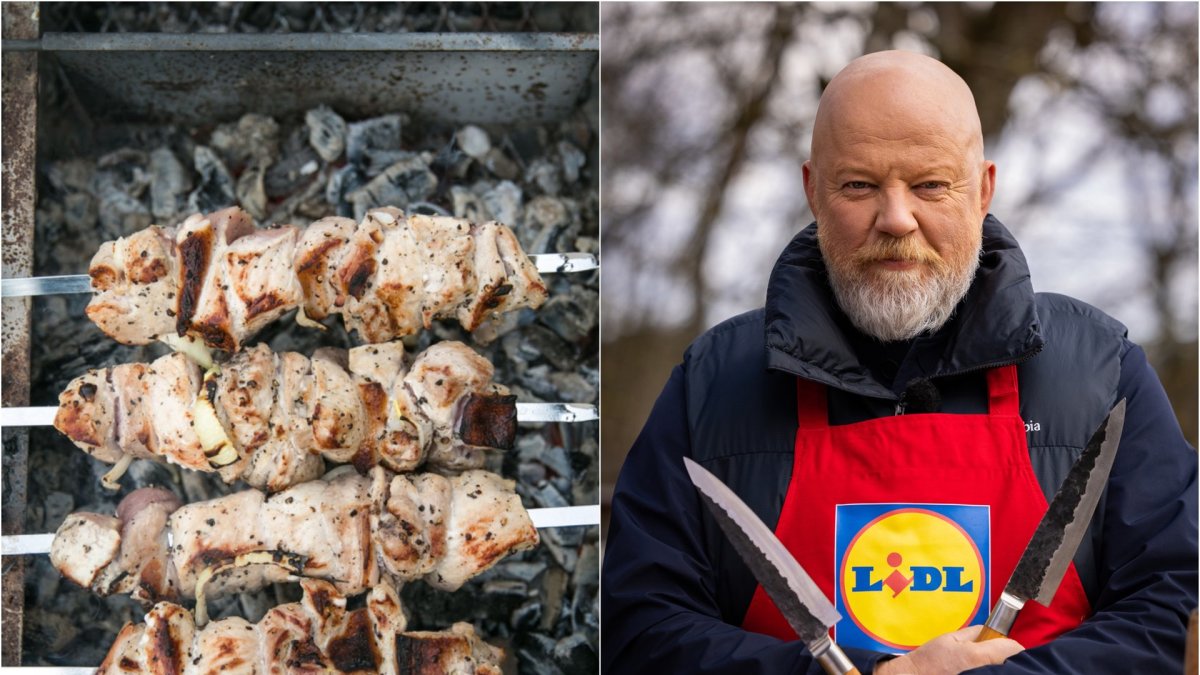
<point>1000,622</point>
<point>835,662</point>
<point>989,634</point>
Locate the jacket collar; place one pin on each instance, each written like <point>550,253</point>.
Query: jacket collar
<point>995,324</point>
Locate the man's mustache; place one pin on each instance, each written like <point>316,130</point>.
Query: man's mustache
<point>907,249</point>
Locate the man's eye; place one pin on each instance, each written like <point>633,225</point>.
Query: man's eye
<point>931,185</point>
<point>857,185</point>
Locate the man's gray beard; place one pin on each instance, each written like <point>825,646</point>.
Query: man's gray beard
<point>892,307</point>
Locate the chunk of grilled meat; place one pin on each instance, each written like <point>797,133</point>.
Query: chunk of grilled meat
<point>351,530</point>
<point>219,279</point>
<point>281,413</point>
<point>317,634</point>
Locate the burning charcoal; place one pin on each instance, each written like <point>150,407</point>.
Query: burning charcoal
<point>555,458</point>
<point>587,244</point>
<point>585,608</point>
<point>253,606</point>
<point>58,505</point>
<point>376,162</point>
<point>584,492</point>
<point>295,168</point>
<point>474,141</point>
<point>505,596</point>
<point>546,212</point>
<point>80,211</point>
<point>121,209</point>
<point>427,209</point>
<point>536,380</point>
<point>466,204</point>
<point>500,165</point>
<point>535,655</point>
<point>567,314</point>
<point>519,351</point>
<point>531,473</point>
<point>552,592</point>
<point>253,137</point>
<point>562,552</point>
<point>575,655</point>
<point>216,190</point>
<point>379,133</point>
<point>49,631</point>
<point>71,175</point>
<point>519,569</point>
<point>530,448</point>
<point>546,175</point>
<point>572,538</point>
<point>527,143</point>
<point>504,202</point>
<point>547,496</point>
<point>587,569</point>
<point>405,181</point>
<point>451,163</point>
<point>46,589</point>
<point>141,474</point>
<point>506,587</point>
<point>572,159</point>
<point>343,181</point>
<point>326,132</point>
<point>169,183</point>
<point>527,616</point>
<point>251,193</point>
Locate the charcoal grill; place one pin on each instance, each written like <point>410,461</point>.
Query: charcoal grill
<point>197,79</point>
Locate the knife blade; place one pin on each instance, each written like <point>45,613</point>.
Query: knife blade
<point>797,596</point>
<point>1052,546</point>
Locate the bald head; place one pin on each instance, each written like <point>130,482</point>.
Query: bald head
<point>897,95</point>
<point>899,187</point>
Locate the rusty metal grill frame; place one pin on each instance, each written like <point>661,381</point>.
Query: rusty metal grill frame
<point>99,58</point>
<point>476,78</point>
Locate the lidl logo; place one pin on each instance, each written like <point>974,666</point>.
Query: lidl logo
<point>907,573</point>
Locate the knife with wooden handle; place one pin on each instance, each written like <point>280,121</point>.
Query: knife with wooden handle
<point>797,596</point>
<point>1053,544</point>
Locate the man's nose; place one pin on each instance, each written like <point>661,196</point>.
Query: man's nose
<point>896,212</point>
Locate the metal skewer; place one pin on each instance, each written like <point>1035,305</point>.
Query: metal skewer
<point>43,416</point>
<point>563,516</point>
<point>546,263</point>
<point>48,670</point>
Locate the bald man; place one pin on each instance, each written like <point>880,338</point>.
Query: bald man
<point>900,412</point>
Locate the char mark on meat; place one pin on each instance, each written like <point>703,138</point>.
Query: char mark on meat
<point>195,252</point>
<point>489,421</point>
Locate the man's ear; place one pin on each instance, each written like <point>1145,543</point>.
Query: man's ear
<point>987,186</point>
<point>808,184</point>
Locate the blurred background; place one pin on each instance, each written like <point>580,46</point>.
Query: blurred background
<point>1089,111</point>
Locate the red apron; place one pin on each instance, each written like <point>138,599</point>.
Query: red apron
<point>912,524</point>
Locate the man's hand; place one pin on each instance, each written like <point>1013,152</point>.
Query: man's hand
<point>951,653</point>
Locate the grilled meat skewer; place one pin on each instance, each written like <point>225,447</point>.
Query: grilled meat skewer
<point>268,419</point>
<point>316,634</point>
<point>349,529</point>
<point>218,278</point>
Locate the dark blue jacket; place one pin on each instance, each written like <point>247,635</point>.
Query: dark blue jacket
<point>673,592</point>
